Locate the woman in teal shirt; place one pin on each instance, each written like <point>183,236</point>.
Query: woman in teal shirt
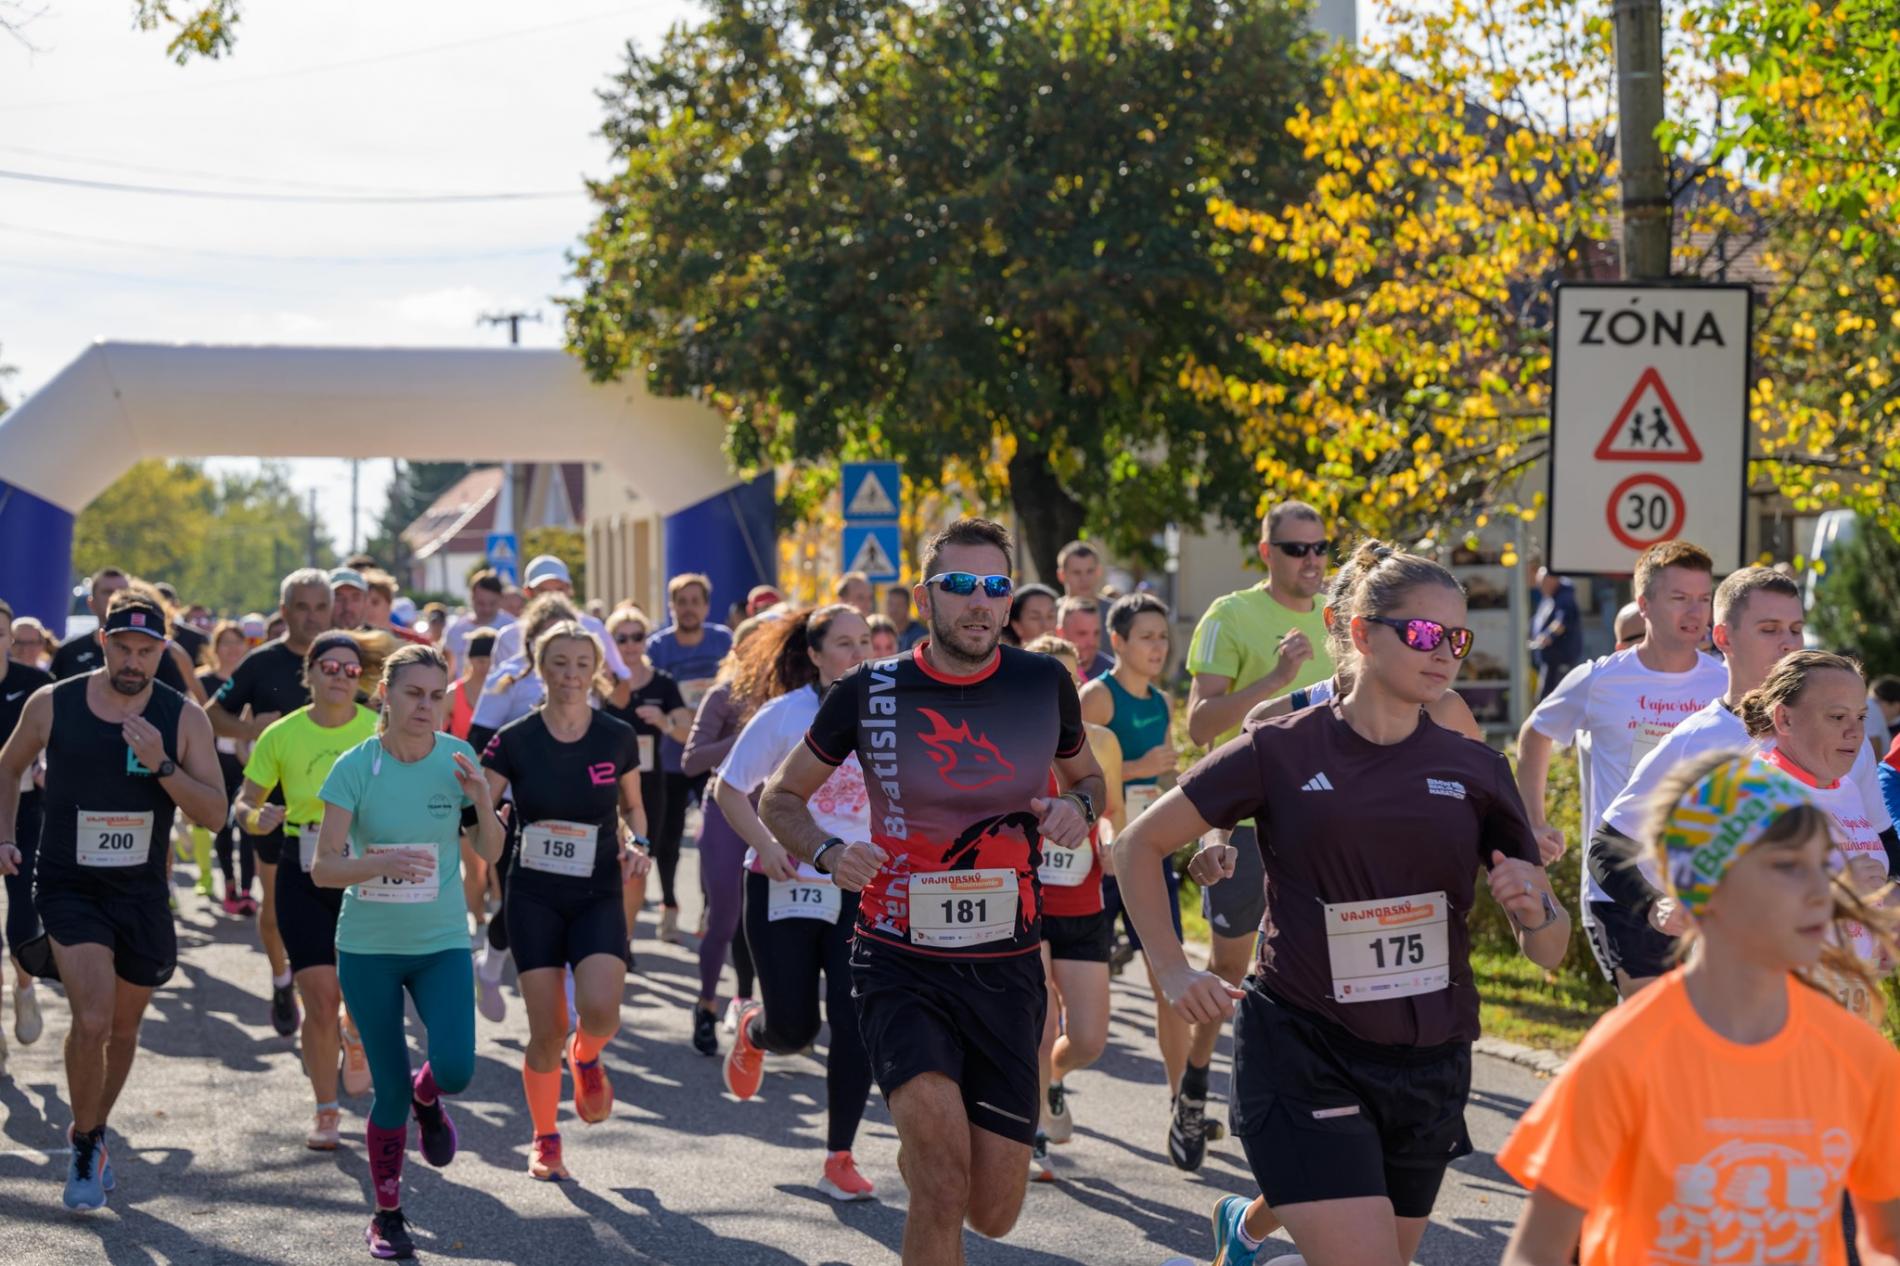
<point>393,812</point>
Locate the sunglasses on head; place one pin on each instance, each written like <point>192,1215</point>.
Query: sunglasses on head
<point>331,667</point>
<point>963,584</point>
<point>623,639</point>
<point>1425,635</point>
<point>1301,549</point>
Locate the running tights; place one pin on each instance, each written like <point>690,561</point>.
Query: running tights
<point>792,953</point>
<point>230,840</point>
<point>666,840</point>
<point>23,917</point>
<point>443,987</point>
<point>722,874</point>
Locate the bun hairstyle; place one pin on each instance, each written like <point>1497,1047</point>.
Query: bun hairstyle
<point>409,655</point>
<point>1785,685</point>
<point>573,631</point>
<point>1382,577</point>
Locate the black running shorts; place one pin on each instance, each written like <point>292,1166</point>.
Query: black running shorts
<point>1235,906</point>
<point>1080,938</point>
<point>1324,1115</point>
<point>270,849</point>
<point>978,1022</point>
<point>306,914</point>
<point>1622,938</point>
<point>136,925</point>
<point>560,931</point>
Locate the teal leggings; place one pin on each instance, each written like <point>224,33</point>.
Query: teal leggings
<point>443,985</point>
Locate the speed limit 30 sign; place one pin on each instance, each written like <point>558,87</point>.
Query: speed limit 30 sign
<point>1649,422</point>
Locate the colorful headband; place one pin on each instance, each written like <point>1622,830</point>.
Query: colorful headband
<point>1721,818</point>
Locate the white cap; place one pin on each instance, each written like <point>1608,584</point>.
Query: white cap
<point>543,567</point>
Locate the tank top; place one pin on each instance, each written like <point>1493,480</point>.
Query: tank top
<point>108,819</point>
<point>461,710</point>
<point>1139,725</point>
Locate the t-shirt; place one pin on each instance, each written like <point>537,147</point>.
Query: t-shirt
<point>508,645</point>
<point>190,640</point>
<point>558,787</point>
<point>512,691</point>
<point>1239,638</point>
<point>1371,853</point>
<point>841,806</point>
<point>662,692</point>
<point>1618,710</point>
<point>296,754</point>
<point>690,666</point>
<point>951,765</point>
<point>1854,836</point>
<point>80,655</point>
<point>17,684</point>
<point>410,804</point>
<point>464,626</point>
<point>268,679</point>
<point>1685,1147</point>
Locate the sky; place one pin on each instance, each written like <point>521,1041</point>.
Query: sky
<point>341,96</point>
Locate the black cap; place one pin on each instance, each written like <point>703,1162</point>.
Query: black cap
<point>136,617</point>
<point>480,644</point>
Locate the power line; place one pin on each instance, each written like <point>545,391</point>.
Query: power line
<point>238,195</point>
<point>160,248</point>
<point>191,173</point>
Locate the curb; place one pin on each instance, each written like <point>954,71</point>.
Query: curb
<point>1549,1063</point>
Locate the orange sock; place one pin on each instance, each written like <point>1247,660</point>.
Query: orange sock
<point>544,1099</point>
<point>587,1047</point>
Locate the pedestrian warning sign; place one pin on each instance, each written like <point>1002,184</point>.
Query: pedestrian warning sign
<point>1649,427</point>
<point>872,548</point>
<point>870,490</point>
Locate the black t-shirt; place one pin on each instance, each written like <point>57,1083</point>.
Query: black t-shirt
<point>17,684</point>
<point>269,679</point>
<point>662,692</point>
<point>97,796</point>
<point>557,786</point>
<point>80,655</point>
<point>951,764</point>
<point>1371,855</point>
<point>190,639</point>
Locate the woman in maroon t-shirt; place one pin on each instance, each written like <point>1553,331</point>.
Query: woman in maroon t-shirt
<point>1352,1043</point>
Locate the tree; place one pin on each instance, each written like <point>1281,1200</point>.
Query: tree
<point>1857,602</point>
<point>199,28</point>
<point>964,230</point>
<point>414,489</point>
<point>153,521</point>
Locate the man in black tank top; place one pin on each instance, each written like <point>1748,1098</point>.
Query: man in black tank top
<point>124,753</point>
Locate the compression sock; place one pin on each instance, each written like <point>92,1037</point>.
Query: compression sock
<point>385,1162</point>
<point>1194,1081</point>
<point>491,961</point>
<point>587,1047</point>
<point>544,1099</point>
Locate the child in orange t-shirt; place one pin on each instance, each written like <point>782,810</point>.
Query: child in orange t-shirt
<point>1719,1117</point>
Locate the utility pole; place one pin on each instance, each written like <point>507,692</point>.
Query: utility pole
<point>1639,112</point>
<point>356,487</point>
<point>505,499</point>
<point>310,531</point>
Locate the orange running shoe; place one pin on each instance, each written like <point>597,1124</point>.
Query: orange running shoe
<point>544,1159</point>
<point>593,1093</point>
<point>842,1181</point>
<point>745,1062</point>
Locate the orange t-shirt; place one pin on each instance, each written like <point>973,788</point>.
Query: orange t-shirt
<point>1685,1147</point>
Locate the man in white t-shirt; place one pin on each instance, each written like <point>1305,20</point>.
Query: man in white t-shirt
<point>484,612</point>
<point>1758,621</point>
<point>1617,708</point>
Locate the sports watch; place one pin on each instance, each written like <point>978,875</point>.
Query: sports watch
<point>818,858</point>
<point>1084,802</point>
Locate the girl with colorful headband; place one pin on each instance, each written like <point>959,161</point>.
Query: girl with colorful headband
<point>1724,1114</point>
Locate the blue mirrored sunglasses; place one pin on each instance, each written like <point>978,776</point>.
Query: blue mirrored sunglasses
<point>963,584</point>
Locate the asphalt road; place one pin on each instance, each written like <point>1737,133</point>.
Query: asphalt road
<point>211,1165</point>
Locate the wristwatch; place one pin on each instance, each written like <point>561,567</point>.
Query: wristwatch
<point>818,858</point>
<point>1085,803</point>
<point>166,768</point>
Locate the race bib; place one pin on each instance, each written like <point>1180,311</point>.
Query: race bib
<point>1648,736</point>
<point>114,839</point>
<point>693,691</point>
<point>954,909</point>
<point>1392,947</point>
<point>400,891</point>
<point>227,746</point>
<point>646,753</point>
<point>559,848</point>
<point>1064,867</point>
<point>803,899</point>
<point>1137,798</point>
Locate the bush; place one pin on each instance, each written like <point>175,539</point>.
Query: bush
<point>1857,601</point>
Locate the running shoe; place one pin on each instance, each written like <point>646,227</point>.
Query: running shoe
<point>233,906</point>
<point>669,923</point>
<point>283,1009</point>
<point>324,1136</point>
<point>544,1159</point>
<point>745,1062</point>
<point>388,1236</point>
<point>85,1177</point>
<point>1118,958</point>
<point>1058,1122</point>
<point>1187,1133</point>
<point>105,1158</point>
<point>1229,1250</point>
<point>438,1132</point>
<point>593,1093</point>
<point>247,906</point>
<point>731,1021</point>
<point>356,1079</point>
<point>842,1181</point>
<point>488,998</point>
<point>204,885</point>
<point>1040,1170</point>
<point>705,1031</point>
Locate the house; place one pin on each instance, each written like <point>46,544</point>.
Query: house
<point>448,541</point>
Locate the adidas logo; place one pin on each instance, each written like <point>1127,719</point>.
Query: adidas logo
<point>1318,782</point>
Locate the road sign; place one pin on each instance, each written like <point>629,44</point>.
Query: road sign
<point>504,555</point>
<point>871,490</point>
<point>1649,422</point>
<point>873,549</point>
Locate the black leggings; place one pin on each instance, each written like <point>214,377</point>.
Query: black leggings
<point>793,952</point>
<point>23,917</point>
<point>231,838</point>
<point>498,926</point>
<point>672,829</point>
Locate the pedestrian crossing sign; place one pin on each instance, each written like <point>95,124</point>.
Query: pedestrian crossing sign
<point>871,490</point>
<point>1649,427</point>
<point>873,549</point>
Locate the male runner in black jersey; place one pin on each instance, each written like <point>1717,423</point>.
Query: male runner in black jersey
<point>270,682</point>
<point>957,739</point>
<point>124,752</point>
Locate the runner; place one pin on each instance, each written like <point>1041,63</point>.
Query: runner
<point>1032,613</point>
<point>1079,623</point>
<point>579,827</point>
<point>957,742</point>
<point>547,574</point>
<point>797,922</point>
<point>853,590</point>
<point>688,650</point>
<point>294,756</point>
<point>1728,1112</point>
<point>349,598</point>
<point>897,611</point>
<point>484,614</point>
<point>123,754</point>
<point>1079,568</point>
<point>224,650</point>
<point>1352,1049</point>
<point>18,682</point>
<point>269,684</point>
<point>656,712</point>
<point>82,654</point>
<point>392,811</point>
<point>478,650</point>
<point>1631,627</point>
<point>884,640</point>
<point>379,607</point>
<point>1248,647</point>
<point>32,644</point>
<point>1617,709</point>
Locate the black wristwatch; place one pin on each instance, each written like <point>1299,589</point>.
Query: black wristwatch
<point>1085,802</point>
<point>818,858</point>
<point>166,768</point>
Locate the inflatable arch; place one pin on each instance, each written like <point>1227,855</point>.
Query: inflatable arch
<point>121,402</point>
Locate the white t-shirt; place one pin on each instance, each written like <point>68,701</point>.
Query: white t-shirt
<point>508,645</point>
<point>1617,710</point>
<point>464,626</point>
<point>841,806</point>
<point>1855,833</point>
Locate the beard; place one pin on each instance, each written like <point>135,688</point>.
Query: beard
<point>972,647</point>
<point>129,681</point>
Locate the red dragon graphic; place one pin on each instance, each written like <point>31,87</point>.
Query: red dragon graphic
<point>964,760</point>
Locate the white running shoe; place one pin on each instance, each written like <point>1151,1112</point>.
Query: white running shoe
<point>27,1021</point>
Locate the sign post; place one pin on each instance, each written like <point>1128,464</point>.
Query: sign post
<point>872,493</point>
<point>1648,424</point>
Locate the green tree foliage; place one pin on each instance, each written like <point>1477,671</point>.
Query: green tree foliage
<point>224,542</point>
<point>414,488</point>
<point>966,232</point>
<point>1857,601</point>
<point>198,28</point>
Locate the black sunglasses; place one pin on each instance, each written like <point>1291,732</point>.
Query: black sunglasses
<point>963,584</point>
<point>1425,635</point>
<point>621,639</point>
<point>1301,549</point>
